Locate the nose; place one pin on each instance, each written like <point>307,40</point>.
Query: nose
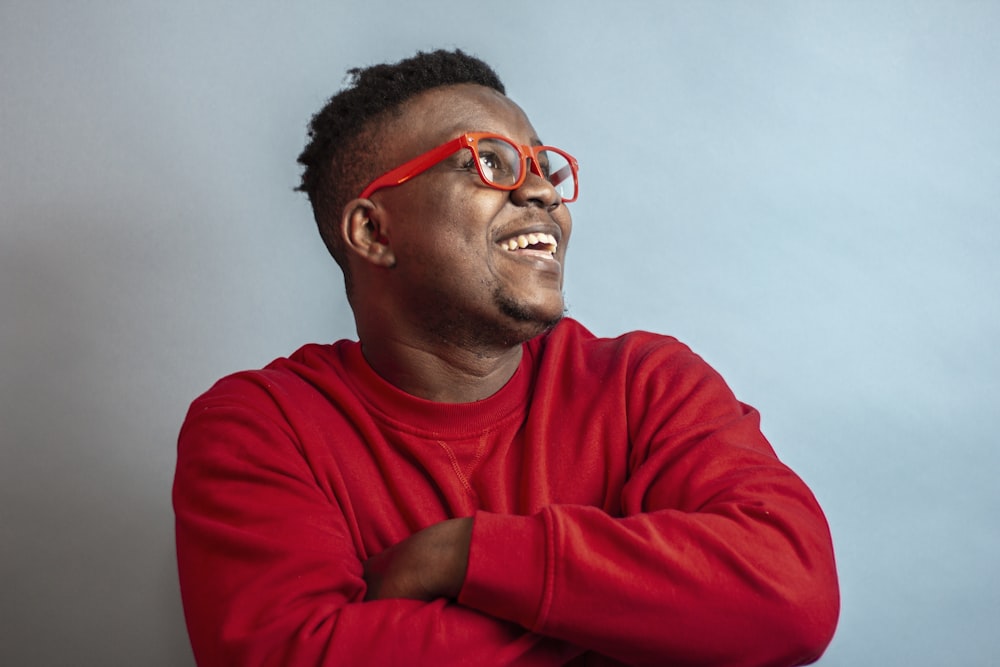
<point>535,190</point>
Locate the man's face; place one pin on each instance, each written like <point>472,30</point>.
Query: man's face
<point>456,276</point>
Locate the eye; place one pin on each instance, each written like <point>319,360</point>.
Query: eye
<point>499,161</point>
<point>490,160</point>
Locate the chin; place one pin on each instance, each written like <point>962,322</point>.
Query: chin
<point>530,321</point>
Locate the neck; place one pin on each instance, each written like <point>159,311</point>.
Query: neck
<point>443,373</point>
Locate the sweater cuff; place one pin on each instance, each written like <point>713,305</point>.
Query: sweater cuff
<point>507,565</point>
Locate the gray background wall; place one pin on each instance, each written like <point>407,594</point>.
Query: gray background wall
<point>805,192</point>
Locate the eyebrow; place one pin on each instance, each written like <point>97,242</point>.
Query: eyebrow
<point>533,141</point>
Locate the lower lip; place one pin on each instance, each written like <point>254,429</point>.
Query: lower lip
<point>541,258</point>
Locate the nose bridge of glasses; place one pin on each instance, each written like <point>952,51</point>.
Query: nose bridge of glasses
<point>531,160</point>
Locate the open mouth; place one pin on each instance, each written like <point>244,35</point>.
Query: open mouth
<point>540,242</point>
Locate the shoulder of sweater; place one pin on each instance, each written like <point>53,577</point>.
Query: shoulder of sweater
<point>633,344</point>
<point>282,372</point>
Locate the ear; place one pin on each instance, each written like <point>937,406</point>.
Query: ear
<point>365,234</point>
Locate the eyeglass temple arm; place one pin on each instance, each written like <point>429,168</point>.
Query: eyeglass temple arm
<point>414,167</point>
<point>558,177</point>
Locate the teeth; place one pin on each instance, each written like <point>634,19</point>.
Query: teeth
<point>524,240</point>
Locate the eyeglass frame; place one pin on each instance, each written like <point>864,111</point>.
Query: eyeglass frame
<point>470,140</point>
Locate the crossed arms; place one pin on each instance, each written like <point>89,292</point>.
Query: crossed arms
<point>715,555</point>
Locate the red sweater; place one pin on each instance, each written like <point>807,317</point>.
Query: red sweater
<point>626,509</point>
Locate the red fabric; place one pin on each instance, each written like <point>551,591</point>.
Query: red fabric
<point>626,509</point>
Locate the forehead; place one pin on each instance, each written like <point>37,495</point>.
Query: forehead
<point>440,114</point>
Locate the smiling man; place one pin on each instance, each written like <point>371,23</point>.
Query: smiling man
<point>479,480</point>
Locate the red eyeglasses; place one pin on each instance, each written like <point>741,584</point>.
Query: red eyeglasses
<point>499,161</point>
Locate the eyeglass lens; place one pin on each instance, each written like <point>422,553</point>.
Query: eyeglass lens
<point>500,163</point>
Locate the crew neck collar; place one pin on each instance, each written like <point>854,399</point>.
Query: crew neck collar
<point>420,416</point>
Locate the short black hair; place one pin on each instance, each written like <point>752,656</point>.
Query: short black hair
<point>340,157</point>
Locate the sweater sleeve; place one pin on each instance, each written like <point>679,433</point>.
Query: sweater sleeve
<point>270,574</point>
<point>721,555</point>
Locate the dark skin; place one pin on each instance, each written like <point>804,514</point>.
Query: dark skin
<point>429,564</point>
<point>441,307</point>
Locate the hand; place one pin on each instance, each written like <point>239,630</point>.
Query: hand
<point>429,564</point>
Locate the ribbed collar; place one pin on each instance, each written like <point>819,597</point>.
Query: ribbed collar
<point>422,417</point>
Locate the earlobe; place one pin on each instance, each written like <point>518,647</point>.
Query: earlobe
<point>364,233</point>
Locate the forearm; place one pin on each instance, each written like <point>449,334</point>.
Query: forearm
<point>732,585</point>
<point>429,564</point>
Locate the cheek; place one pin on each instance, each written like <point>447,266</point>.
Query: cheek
<point>448,222</point>
<point>565,221</point>
<point>469,218</point>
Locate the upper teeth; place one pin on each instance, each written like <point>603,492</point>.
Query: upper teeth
<point>524,240</point>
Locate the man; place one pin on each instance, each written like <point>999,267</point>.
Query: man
<point>479,481</point>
